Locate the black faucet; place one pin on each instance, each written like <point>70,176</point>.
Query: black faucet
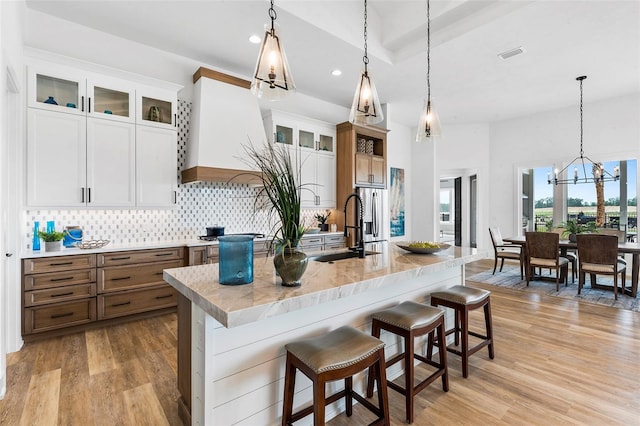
<point>360,226</point>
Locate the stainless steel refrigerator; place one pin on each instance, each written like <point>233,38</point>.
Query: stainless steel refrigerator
<point>376,214</point>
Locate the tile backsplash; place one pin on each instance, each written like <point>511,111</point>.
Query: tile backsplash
<point>200,204</point>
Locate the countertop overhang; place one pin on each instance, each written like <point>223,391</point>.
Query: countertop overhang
<point>233,306</point>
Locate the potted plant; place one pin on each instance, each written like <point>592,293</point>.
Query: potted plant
<point>52,239</point>
<point>322,220</point>
<point>571,228</point>
<point>280,196</point>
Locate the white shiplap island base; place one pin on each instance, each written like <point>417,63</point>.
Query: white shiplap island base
<point>238,333</point>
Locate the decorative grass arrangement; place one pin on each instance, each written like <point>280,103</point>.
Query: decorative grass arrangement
<point>279,194</point>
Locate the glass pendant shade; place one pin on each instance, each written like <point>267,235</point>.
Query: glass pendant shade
<point>272,78</point>
<point>429,123</point>
<point>366,104</point>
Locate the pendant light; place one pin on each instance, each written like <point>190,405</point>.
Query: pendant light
<point>272,79</point>
<point>429,123</point>
<point>597,172</point>
<point>366,104</point>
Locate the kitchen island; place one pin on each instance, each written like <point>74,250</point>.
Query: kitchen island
<point>231,338</point>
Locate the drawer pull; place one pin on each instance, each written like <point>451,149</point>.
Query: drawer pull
<point>166,296</point>
<point>120,278</point>
<point>158,273</point>
<point>61,279</point>
<point>164,254</point>
<point>62,294</point>
<point>121,258</point>
<point>61,264</point>
<point>68,314</point>
<point>120,304</point>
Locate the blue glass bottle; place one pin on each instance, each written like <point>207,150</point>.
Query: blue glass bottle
<point>51,225</point>
<point>36,238</point>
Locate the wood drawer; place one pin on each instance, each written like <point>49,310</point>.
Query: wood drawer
<point>335,246</point>
<point>49,317</point>
<point>58,263</point>
<point>118,278</point>
<point>311,242</point>
<point>332,239</point>
<point>132,302</point>
<point>59,294</point>
<point>59,279</point>
<point>140,256</point>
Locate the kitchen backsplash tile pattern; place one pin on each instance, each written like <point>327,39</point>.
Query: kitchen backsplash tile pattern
<point>200,204</point>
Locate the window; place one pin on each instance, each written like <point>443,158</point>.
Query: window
<point>446,201</point>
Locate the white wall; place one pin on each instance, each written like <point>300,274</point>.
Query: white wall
<point>11,105</point>
<point>611,132</point>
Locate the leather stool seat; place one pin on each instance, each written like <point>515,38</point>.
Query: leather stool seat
<point>336,355</point>
<point>462,300</point>
<point>410,320</point>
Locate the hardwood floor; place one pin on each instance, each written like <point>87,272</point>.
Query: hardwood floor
<point>557,362</point>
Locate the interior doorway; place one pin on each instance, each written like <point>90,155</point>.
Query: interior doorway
<point>473,211</point>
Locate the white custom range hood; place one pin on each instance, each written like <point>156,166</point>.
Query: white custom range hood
<point>225,116</point>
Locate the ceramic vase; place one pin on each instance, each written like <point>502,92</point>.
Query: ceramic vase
<point>290,265</point>
<point>52,245</point>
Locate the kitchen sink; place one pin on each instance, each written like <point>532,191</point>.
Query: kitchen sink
<point>340,256</point>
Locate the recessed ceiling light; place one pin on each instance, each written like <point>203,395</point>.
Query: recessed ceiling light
<point>336,72</point>
<point>513,52</point>
<point>255,39</point>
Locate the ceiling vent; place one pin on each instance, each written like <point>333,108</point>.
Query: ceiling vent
<point>513,52</point>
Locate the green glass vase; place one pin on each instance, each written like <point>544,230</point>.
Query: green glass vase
<point>290,265</point>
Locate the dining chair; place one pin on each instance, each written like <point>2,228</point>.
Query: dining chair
<point>598,255</point>
<point>543,251</point>
<point>504,251</point>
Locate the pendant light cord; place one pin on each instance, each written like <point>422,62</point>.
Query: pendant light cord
<point>428,51</point>
<point>581,132</point>
<point>273,15</point>
<point>365,58</point>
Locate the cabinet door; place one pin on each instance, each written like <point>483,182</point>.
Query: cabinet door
<point>308,179</point>
<point>110,99</point>
<point>326,180</point>
<point>378,171</point>
<point>56,88</point>
<point>363,169</point>
<point>110,163</point>
<point>197,255</point>
<point>156,166</point>
<point>56,155</point>
<point>156,108</point>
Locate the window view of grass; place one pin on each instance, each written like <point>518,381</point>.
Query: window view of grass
<point>582,202</point>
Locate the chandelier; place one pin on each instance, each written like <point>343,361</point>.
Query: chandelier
<point>429,123</point>
<point>272,78</point>
<point>598,172</point>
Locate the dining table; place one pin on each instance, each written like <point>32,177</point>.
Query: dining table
<point>632,248</point>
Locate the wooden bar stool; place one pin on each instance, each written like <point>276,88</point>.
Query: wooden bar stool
<point>463,300</point>
<point>337,355</point>
<point>410,320</point>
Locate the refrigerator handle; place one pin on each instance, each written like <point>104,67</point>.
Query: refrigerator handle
<point>374,213</point>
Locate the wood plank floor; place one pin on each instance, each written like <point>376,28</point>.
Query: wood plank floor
<point>557,362</point>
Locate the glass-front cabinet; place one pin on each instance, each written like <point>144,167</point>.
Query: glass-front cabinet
<point>157,108</point>
<point>312,144</point>
<point>62,89</point>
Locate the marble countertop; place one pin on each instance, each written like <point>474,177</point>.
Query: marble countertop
<point>322,282</point>
<point>142,245</point>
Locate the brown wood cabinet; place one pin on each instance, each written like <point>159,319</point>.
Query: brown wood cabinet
<point>361,161</point>
<point>201,255</point>
<point>66,291</point>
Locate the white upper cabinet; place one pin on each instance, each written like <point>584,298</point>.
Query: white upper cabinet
<point>82,140</point>
<point>157,171</point>
<point>313,144</point>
